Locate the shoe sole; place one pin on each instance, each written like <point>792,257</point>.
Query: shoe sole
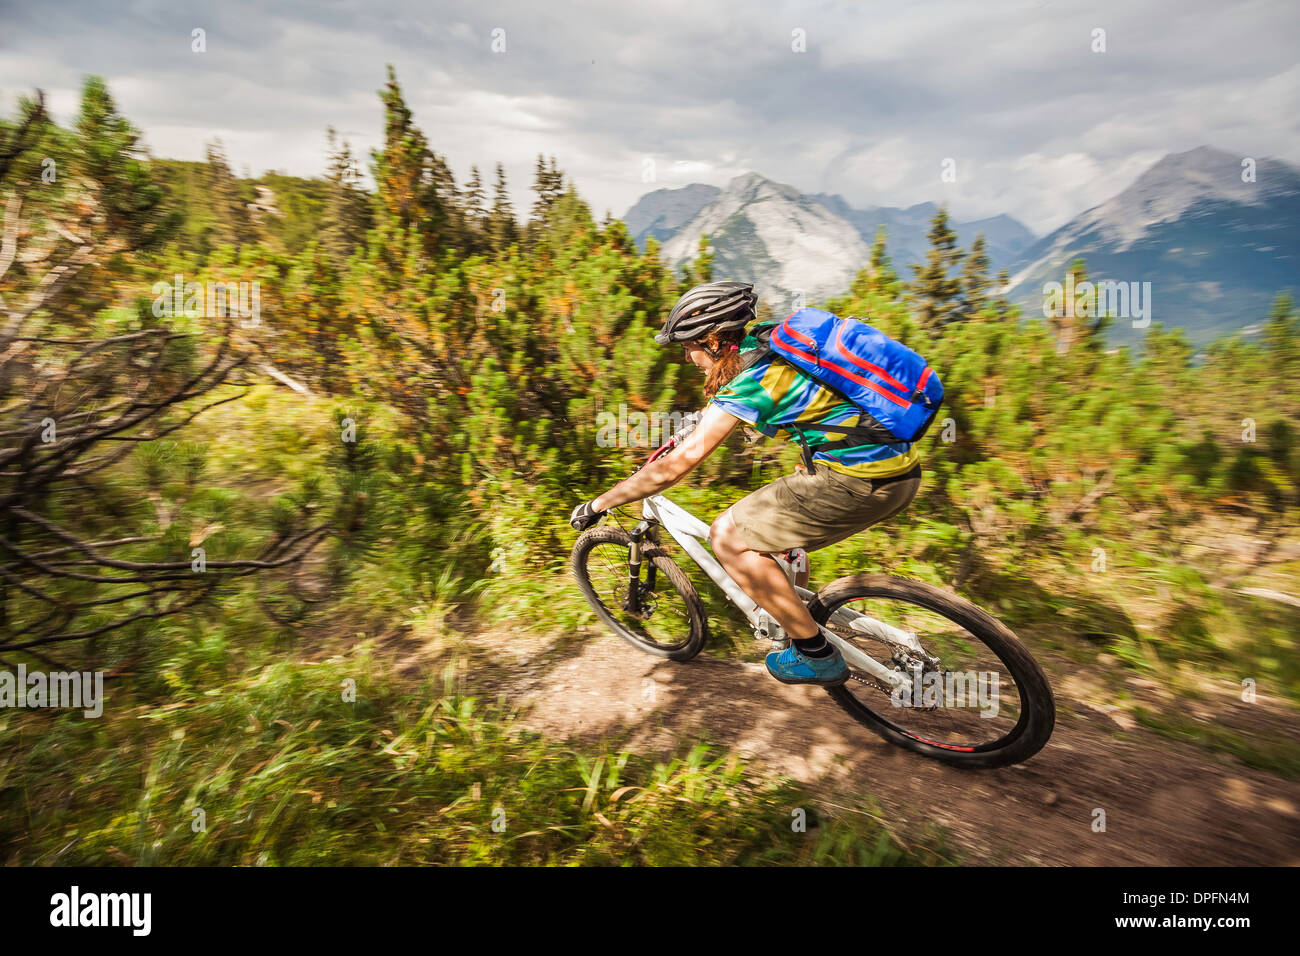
<point>815,681</point>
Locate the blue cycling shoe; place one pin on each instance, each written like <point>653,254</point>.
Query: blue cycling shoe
<point>791,667</point>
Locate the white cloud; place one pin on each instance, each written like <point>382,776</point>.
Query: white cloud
<point>1041,127</point>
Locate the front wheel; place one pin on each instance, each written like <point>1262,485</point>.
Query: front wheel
<point>658,609</point>
<point>973,697</point>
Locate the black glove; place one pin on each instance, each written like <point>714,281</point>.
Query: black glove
<point>584,516</point>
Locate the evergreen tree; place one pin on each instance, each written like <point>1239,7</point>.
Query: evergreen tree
<point>110,157</point>
<point>934,292</point>
<point>699,269</point>
<point>883,276</point>
<point>446,218</point>
<point>975,279</point>
<point>346,217</point>
<point>703,266</point>
<point>20,136</point>
<point>473,202</point>
<point>875,278</point>
<point>1000,302</point>
<point>230,222</point>
<point>1281,332</point>
<point>415,186</point>
<point>400,166</point>
<point>874,295</point>
<point>503,231</point>
<point>1080,318</point>
<point>548,186</point>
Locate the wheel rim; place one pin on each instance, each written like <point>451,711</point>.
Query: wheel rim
<point>969,702</point>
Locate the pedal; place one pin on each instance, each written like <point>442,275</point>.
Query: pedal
<point>768,630</point>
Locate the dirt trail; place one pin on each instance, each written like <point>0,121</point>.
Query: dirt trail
<point>1166,803</point>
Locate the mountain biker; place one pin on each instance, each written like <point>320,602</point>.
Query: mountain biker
<point>854,487</point>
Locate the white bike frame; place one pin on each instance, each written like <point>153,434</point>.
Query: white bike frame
<point>691,533</point>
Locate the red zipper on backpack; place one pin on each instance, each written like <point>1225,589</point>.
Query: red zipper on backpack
<point>824,363</point>
<point>862,363</point>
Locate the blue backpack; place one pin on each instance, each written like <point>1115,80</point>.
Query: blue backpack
<point>897,392</point>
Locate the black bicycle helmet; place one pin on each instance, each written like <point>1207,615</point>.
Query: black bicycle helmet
<point>707,308</point>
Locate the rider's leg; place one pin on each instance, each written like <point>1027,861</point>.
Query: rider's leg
<point>800,510</point>
<point>811,512</point>
<point>761,578</point>
<point>809,658</point>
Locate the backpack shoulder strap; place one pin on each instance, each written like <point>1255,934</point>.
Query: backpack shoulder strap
<point>751,358</point>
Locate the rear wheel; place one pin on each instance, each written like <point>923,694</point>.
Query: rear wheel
<point>667,617</point>
<point>976,698</point>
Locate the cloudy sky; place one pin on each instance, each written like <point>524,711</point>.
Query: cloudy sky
<point>866,99</point>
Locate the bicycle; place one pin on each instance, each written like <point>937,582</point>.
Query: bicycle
<point>886,642</point>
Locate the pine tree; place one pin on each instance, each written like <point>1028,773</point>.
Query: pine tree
<point>415,187</point>
<point>473,200</point>
<point>883,276</point>
<point>502,229</point>
<point>346,216</point>
<point>548,185</point>
<point>975,279</point>
<point>934,291</point>
<point>1080,318</point>
<point>399,167</point>
<point>231,222</point>
<point>1281,333</point>
<point>18,137</point>
<point>878,276</point>
<point>109,156</point>
<point>1000,302</point>
<point>445,220</point>
<point>703,266</point>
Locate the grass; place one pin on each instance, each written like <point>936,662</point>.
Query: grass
<point>219,751</point>
<point>1279,757</point>
<point>275,767</point>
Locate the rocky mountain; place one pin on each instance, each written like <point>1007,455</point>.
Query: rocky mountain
<point>776,237</point>
<point>1215,249</point>
<point>663,212</point>
<point>786,241</point>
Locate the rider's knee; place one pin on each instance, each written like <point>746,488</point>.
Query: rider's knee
<point>723,535</point>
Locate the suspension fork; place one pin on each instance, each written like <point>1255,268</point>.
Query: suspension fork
<point>642,532</point>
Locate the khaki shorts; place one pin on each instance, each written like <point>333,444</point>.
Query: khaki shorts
<point>812,511</point>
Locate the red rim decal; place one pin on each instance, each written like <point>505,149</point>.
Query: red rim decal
<point>935,743</point>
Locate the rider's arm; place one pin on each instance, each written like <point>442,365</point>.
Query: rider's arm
<point>714,427</point>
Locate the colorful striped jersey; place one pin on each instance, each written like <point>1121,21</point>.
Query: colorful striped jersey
<point>772,394</point>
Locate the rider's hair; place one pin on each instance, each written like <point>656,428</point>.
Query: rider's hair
<point>724,347</point>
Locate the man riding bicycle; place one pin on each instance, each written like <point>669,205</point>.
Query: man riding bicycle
<point>848,487</point>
